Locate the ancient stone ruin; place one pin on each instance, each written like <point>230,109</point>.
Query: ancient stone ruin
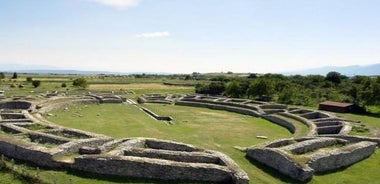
<point>26,137</point>
<point>327,147</point>
<point>301,158</point>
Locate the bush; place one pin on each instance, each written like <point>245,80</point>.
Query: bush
<point>63,85</point>
<point>14,76</point>
<point>80,82</point>
<point>29,79</point>
<point>36,83</point>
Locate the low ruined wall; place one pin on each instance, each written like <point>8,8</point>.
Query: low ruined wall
<point>169,145</point>
<point>220,107</point>
<point>325,161</point>
<point>180,156</point>
<point>12,116</point>
<point>47,138</point>
<point>314,144</point>
<point>223,103</point>
<point>16,105</point>
<point>36,155</point>
<point>315,115</point>
<point>11,128</point>
<point>50,107</point>
<point>155,116</point>
<point>281,122</point>
<point>273,106</point>
<point>74,146</point>
<point>136,167</point>
<point>329,129</point>
<point>280,162</point>
<point>279,143</point>
<point>310,124</point>
<point>355,139</point>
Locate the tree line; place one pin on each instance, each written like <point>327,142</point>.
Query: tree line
<point>298,90</point>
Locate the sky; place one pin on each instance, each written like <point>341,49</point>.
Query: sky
<point>184,36</point>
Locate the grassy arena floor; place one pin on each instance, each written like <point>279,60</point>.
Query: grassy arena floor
<point>210,129</point>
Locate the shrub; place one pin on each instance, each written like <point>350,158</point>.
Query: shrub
<point>36,83</point>
<point>80,82</point>
<point>63,85</point>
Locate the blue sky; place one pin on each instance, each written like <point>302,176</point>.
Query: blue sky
<point>183,36</point>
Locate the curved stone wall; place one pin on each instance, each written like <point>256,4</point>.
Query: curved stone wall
<point>300,158</point>
<point>53,146</point>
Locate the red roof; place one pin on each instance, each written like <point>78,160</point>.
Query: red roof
<point>336,104</point>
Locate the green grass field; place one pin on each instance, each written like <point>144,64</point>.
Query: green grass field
<point>210,129</point>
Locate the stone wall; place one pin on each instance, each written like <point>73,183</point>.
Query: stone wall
<point>355,139</point>
<point>37,155</point>
<point>313,144</point>
<point>326,161</point>
<point>281,122</point>
<point>220,107</point>
<point>310,124</point>
<point>180,156</point>
<point>300,158</point>
<point>49,107</point>
<point>16,105</point>
<point>155,116</point>
<point>169,145</point>
<point>74,146</point>
<point>12,116</point>
<point>279,161</point>
<point>223,103</point>
<point>42,138</point>
<point>315,115</point>
<point>147,168</point>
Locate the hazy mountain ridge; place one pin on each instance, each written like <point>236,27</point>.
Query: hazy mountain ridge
<point>367,70</point>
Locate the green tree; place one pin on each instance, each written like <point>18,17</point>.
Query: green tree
<point>334,77</point>
<point>29,79</point>
<point>216,88</point>
<point>260,87</point>
<point>36,83</point>
<point>287,95</point>
<point>14,76</point>
<point>80,82</point>
<point>233,89</point>
<point>2,75</point>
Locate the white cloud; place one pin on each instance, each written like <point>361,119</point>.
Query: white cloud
<point>118,3</point>
<point>153,35</point>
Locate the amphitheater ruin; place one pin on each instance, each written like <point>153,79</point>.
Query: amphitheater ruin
<point>26,135</point>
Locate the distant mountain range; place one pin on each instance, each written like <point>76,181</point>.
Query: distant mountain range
<point>43,69</point>
<point>367,70</point>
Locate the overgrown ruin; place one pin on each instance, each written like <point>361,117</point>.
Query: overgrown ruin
<point>31,138</point>
<point>27,136</point>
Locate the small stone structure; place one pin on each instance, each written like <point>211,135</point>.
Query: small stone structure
<point>158,98</point>
<point>300,158</point>
<point>155,116</point>
<point>106,98</point>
